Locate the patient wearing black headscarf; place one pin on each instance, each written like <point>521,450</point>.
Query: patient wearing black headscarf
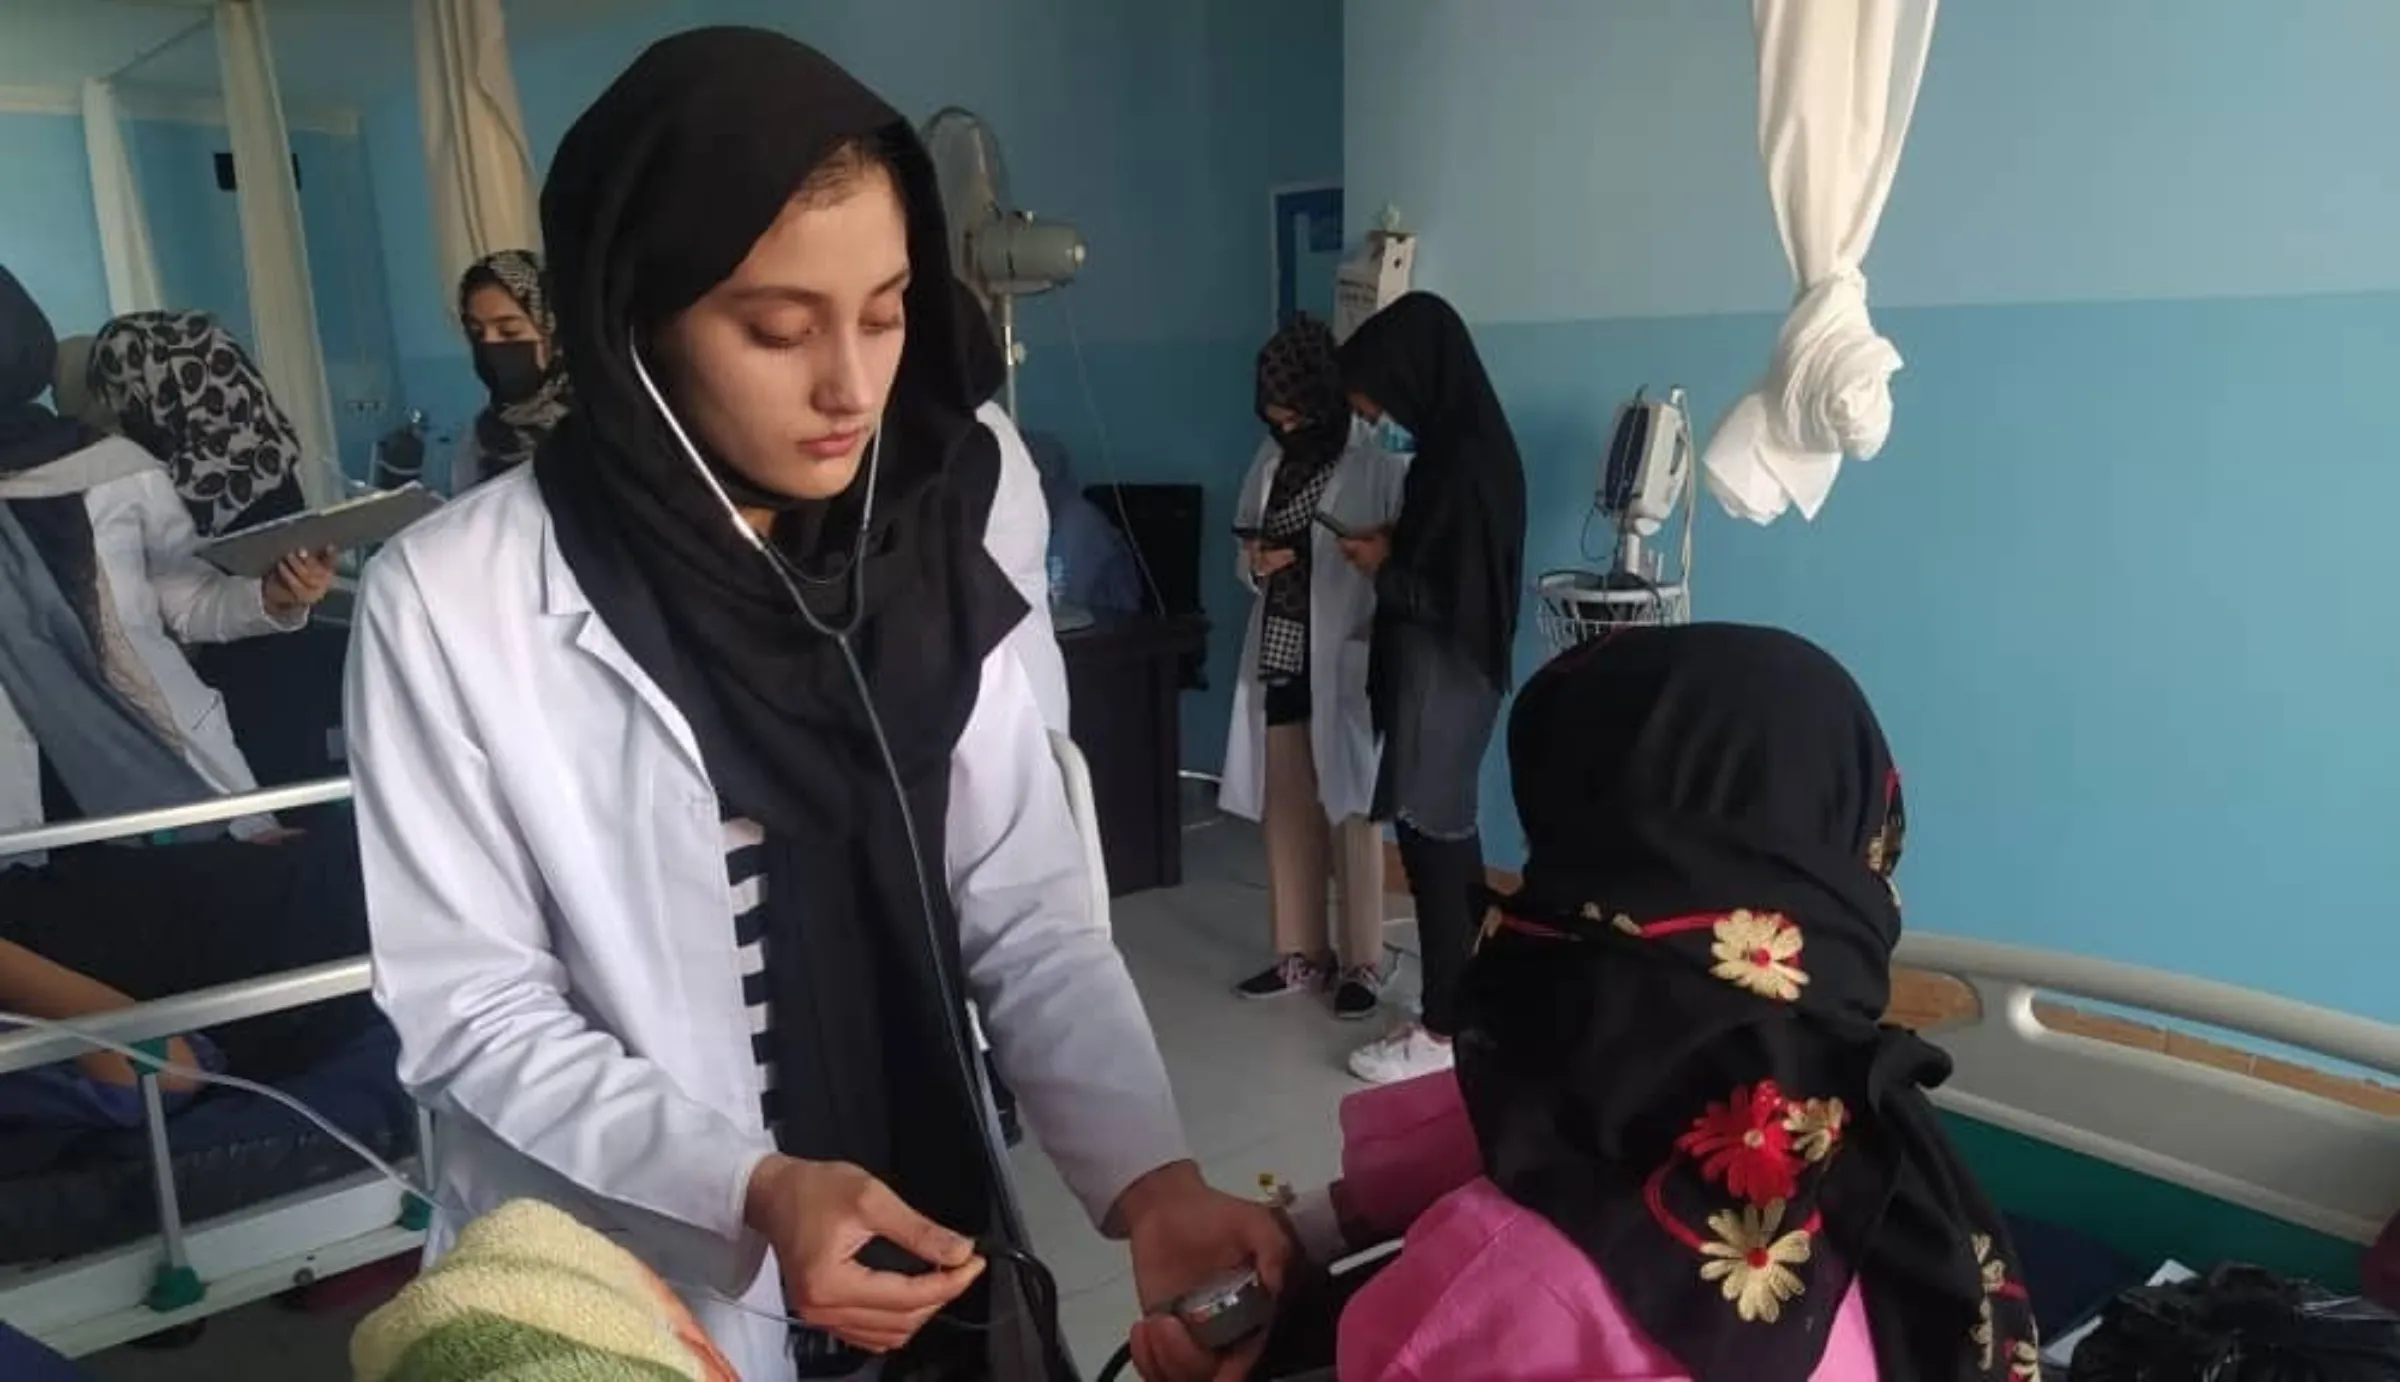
<point>1690,1124</point>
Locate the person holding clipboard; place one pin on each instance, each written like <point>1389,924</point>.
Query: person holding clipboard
<point>1300,752</point>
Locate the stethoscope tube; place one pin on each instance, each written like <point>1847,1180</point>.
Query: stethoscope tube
<point>953,1001</point>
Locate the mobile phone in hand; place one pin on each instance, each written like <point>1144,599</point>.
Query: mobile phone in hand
<point>1248,532</point>
<point>1338,528</point>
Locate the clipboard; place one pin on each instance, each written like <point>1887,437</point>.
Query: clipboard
<point>353,523</point>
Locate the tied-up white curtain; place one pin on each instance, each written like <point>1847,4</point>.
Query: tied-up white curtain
<point>1837,81</point>
<point>124,226</point>
<point>283,302</point>
<point>475,150</point>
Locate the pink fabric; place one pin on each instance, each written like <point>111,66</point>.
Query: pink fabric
<point>1403,1147</point>
<point>1484,1288</point>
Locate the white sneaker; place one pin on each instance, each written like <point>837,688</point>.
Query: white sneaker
<point>1409,1051</point>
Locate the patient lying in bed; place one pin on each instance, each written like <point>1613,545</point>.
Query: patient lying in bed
<point>1679,1143</point>
<point>99,929</point>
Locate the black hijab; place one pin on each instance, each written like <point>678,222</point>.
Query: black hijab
<point>1671,1045</point>
<point>1461,530</point>
<point>30,434</point>
<point>656,196</point>
<point>980,362</point>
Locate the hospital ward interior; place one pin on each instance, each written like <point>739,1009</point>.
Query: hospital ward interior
<point>1066,689</point>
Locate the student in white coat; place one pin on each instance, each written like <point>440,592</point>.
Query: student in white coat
<point>94,523</point>
<point>665,944</point>
<point>1300,753</point>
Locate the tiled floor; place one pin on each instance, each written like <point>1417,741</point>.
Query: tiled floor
<point>1258,1083</point>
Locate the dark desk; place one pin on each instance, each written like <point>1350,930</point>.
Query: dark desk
<point>1124,678</point>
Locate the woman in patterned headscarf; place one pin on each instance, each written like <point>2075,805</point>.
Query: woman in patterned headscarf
<point>186,392</point>
<point>504,307</point>
<point>1300,753</point>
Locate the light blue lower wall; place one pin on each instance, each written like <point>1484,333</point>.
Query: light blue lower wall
<point>2120,589</point>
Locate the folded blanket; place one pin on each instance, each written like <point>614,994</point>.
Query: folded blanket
<point>530,1295</point>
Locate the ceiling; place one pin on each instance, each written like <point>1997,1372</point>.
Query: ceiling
<point>329,54</point>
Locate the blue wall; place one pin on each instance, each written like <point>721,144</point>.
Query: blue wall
<point>1157,128</point>
<point>47,235</point>
<point>51,241</point>
<point>2114,583</point>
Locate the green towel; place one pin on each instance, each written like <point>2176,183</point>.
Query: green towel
<point>527,1295</point>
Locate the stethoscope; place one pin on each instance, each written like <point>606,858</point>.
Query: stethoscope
<point>959,1021</point>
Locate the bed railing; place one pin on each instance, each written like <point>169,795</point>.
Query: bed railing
<point>175,1285</point>
<point>2215,1126</point>
<point>140,824</point>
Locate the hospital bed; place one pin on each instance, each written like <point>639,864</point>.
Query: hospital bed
<point>2167,1116</point>
<point>231,1200</point>
<point>109,1237</point>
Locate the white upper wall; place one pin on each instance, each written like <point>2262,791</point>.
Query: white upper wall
<point>1572,159</point>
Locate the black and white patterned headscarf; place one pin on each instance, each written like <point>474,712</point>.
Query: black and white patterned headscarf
<point>1297,372</point>
<point>507,434</point>
<point>187,393</point>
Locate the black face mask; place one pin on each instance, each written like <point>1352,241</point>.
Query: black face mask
<point>512,370</point>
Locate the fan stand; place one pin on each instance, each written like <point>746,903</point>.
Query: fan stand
<point>1009,351</point>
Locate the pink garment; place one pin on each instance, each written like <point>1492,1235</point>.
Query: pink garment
<point>1485,1288</point>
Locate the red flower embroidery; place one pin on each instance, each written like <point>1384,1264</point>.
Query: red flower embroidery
<point>1745,1142</point>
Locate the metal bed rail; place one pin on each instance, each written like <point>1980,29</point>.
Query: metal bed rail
<point>139,824</point>
<point>175,1287</point>
<point>188,1012</point>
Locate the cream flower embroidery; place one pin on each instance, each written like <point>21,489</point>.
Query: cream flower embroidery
<point>2024,1362</point>
<point>1816,1126</point>
<point>1752,1263</point>
<point>1759,951</point>
<point>1995,1278</point>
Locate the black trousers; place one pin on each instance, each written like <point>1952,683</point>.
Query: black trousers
<point>156,921</point>
<point>1446,879</point>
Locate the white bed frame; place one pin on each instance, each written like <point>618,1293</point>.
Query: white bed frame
<point>2283,1152</point>
<point>107,1298</point>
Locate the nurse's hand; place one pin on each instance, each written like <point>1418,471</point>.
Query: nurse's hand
<point>1266,561</point>
<point>1185,1234</point>
<point>1368,551</point>
<point>298,582</point>
<point>818,1215</point>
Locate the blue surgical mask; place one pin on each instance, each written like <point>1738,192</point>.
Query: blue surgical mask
<point>1394,438</point>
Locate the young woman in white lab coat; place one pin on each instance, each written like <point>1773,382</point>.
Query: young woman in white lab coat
<point>665,944</point>
<point>101,519</point>
<point>1300,753</point>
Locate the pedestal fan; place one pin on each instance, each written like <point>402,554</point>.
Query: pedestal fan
<point>999,251</point>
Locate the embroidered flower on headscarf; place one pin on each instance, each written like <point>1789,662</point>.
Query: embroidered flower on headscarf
<point>1816,1126</point>
<point>1744,1142</point>
<point>1752,1263</point>
<point>1760,952</point>
<point>2024,1362</point>
<point>1995,1280</point>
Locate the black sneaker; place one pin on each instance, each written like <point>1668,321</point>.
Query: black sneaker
<point>1291,974</point>
<point>1359,994</point>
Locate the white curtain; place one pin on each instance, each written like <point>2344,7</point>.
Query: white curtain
<point>1837,81</point>
<point>475,151</point>
<point>283,302</point>
<point>124,226</point>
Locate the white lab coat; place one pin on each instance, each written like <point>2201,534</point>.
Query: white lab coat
<point>552,922</point>
<point>164,596</point>
<point>1018,537</point>
<point>1363,493</point>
